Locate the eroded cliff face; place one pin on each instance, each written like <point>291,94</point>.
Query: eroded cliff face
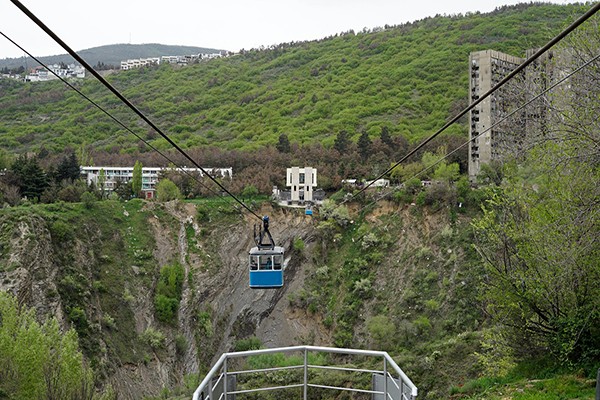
<point>28,269</point>
<point>96,270</point>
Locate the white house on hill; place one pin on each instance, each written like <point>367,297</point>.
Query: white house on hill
<point>302,182</point>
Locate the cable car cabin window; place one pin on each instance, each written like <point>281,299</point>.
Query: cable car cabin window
<point>254,263</point>
<point>277,262</point>
<point>266,262</point>
<point>266,267</point>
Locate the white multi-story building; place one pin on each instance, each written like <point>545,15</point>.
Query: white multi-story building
<point>139,62</point>
<point>302,182</point>
<point>181,60</point>
<point>150,176</point>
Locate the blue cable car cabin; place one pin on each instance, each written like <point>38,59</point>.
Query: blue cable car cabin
<point>266,267</point>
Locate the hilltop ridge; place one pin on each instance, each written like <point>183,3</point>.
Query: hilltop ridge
<point>111,54</point>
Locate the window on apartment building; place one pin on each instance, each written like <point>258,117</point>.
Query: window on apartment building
<point>301,178</point>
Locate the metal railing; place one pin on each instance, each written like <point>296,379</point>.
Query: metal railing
<point>222,380</point>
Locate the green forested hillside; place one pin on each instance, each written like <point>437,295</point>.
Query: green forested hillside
<point>410,78</point>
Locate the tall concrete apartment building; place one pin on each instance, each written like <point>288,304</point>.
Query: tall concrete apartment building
<point>486,69</point>
<point>489,139</point>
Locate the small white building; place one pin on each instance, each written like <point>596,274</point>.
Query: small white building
<point>302,182</point>
<point>378,183</point>
<point>139,62</point>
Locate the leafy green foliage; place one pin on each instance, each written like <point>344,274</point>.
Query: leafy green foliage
<point>251,343</point>
<point>38,360</point>
<point>136,180</point>
<point>154,338</point>
<point>166,190</point>
<point>249,191</point>
<point>31,179</point>
<point>554,387</point>
<point>298,245</point>
<point>381,330</point>
<point>539,233</point>
<point>88,199</point>
<point>168,292</point>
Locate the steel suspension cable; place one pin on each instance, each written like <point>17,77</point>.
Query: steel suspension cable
<point>79,59</point>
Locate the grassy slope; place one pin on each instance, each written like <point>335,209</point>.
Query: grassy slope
<point>411,78</point>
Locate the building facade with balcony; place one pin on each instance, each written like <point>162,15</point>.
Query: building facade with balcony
<point>113,176</point>
<point>486,69</point>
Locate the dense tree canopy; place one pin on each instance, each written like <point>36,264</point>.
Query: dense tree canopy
<point>38,360</point>
<point>540,234</point>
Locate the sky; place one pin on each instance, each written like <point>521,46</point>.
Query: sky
<point>221,24</point>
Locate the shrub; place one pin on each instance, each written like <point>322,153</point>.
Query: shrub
<point>298,244</point>
<point>168,291</point>
<point>440,194</point>
<point>88,200</point>
<point>413,186</point>
<point>181,345</point>
<point>249,191</point>
<point>166,307</point>
<point>202,214</point>
<point>369,240</point>
<point>166,190</point>
<point>420,200</point>
<point>381,330</point>
<point>60,231</point>
<point>153,338</point>
<point>338,213</point>
<point>251,343</point>
<point>403,197</point>
<point>109,322</point>
<point>422,324</point>
<point>39,360</point>
<point>205,324</point>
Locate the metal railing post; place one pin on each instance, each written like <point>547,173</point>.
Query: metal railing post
<point>305,374</point>
<point>401,387</point>
<point>385,375</point>
<point>225,379</point>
